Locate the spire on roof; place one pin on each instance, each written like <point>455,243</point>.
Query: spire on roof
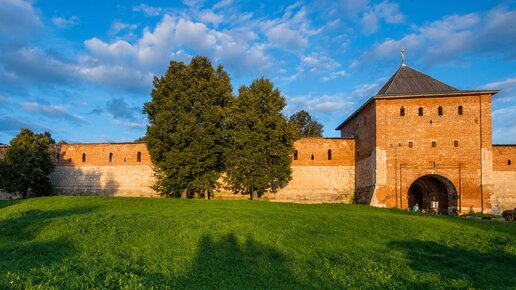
<point>407,81</point>
<point>402,56</point>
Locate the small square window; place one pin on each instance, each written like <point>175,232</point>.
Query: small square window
<point>456,143</point>
<point>434,144</point>
<point>410,144</point>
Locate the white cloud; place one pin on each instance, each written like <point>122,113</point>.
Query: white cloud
<point>319,104</point>
<point>334,75</point>
<point>368,89</point>
<point>118,26</point>
<point>508,83</point>
<point>507,89</point>
<point>319,63</point>
<point>293,77</point>
<point>118,77</point>
<point>505,124</point>
<point>62,22</point>
<point>454,37</point>
<point>290,32</point>
<point>147,10</point>
<point>223,4</point>
<point>36,65</point>
<point>195,35</point>
<point>18,19</point>
<point>52,111</point>
<point>211,17</point>
<point>174,36</point>
<point>181,55</point>
<point>282,36</point>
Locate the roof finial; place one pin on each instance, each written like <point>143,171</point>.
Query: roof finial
<point>402,56</point>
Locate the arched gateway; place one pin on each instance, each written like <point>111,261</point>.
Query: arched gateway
<point>433,193</point>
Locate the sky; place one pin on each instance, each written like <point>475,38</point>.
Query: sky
<point>82,70</point>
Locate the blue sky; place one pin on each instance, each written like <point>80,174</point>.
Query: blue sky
<point>83,69</point>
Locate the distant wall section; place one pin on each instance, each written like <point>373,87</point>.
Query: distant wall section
<point>323,171</point>
<point>109,169</point>
<point>504,177</point>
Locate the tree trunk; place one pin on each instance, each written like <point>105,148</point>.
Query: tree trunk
<point>251,194</point>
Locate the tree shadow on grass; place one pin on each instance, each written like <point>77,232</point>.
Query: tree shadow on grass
<point>6,203</point>
<point>230,263</point>
<point>23,254</point>
<point>441,266</point>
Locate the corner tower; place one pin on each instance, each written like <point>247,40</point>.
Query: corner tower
<point>421,141</point>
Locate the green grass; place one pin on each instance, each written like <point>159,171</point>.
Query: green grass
<point>134,243</point>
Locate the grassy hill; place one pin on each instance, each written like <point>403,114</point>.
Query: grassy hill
<point>133,243</point>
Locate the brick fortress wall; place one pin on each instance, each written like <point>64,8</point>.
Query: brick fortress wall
<point>323,170</point>
<point>504,177</point>
<point>87,169</point>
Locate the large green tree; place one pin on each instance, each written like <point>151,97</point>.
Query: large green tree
<point>306,125</point>
<point>261,141</point>
<point>27,164</point>
<point>186,137</point>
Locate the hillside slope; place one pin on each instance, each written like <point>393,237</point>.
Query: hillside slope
<point>137,243</point>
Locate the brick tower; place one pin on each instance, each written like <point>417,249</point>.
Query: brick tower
<point>421,141</point>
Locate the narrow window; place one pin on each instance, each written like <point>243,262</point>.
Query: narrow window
<point>83,157</point>
<point>461,110</point>
<point>402,111</point>
<point>125,159</point>
<point>139,157</point>
<point>312,157</point>
<point>329,154</point>
<point>110,157</point>
<point>434,143</point>
<point>509,162</point>
<point>420,111</point>
<point>410,144</point>
<point>70,160</point>
<point>440,111</point>
<point>456,143</point>
<point>57,157</point>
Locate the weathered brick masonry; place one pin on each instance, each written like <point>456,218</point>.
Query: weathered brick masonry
<point>504,177</point>
<point>115,169</point>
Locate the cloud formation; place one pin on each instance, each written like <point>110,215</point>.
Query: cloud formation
<point>453,38</point>
<point>51,111</point>
<point>12,25</point>
<point>63,23</point>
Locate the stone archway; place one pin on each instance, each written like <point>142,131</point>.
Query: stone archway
<point>433,193</point>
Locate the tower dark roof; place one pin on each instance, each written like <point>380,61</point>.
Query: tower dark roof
<point>410,83</point>
<point>407,80</point>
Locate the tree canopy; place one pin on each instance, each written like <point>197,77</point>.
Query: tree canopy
<point>186,137</point>
<point>306,125</point>
<point>261,141</point>
<point>27,164</point>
